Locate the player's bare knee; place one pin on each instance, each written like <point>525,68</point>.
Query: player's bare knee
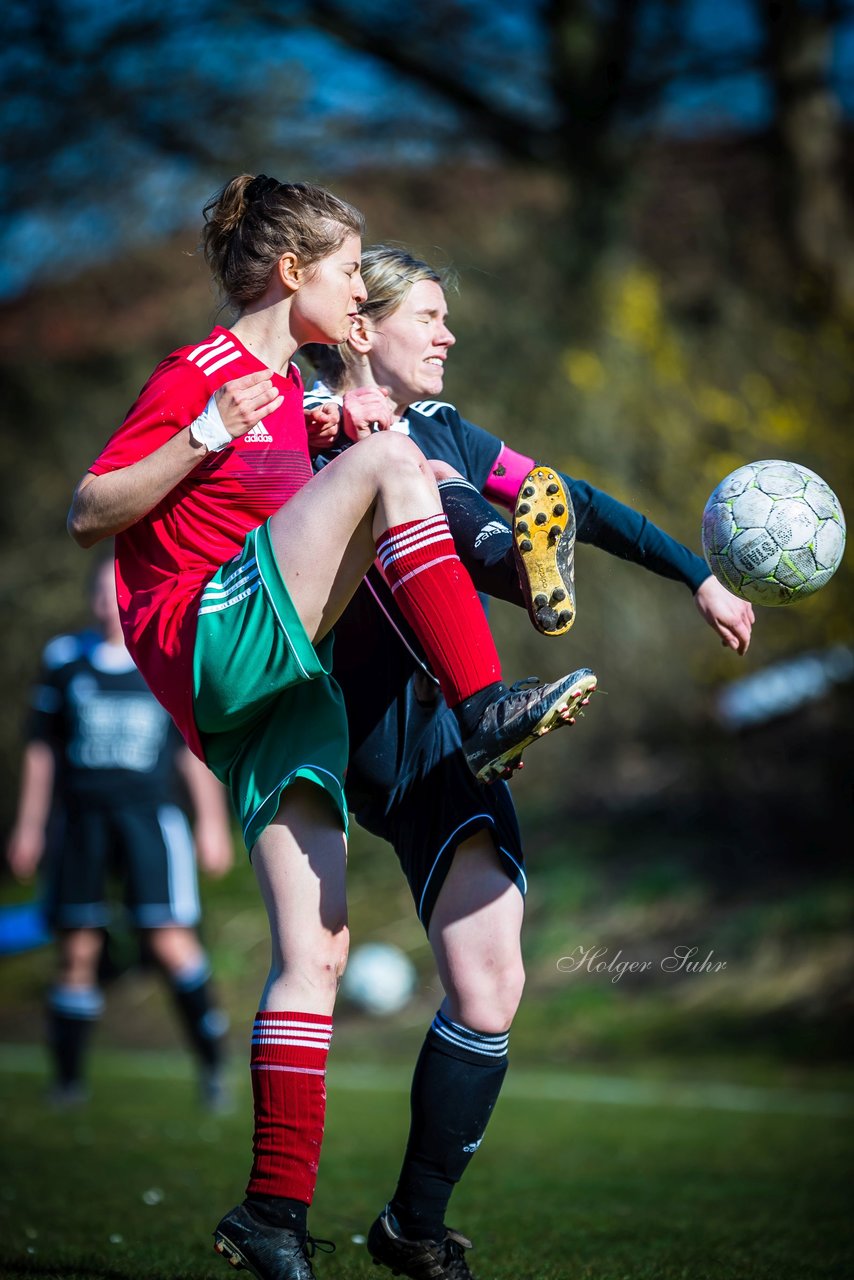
<point>443,470</point>
<point>394,456</point>
<point>487,999</point>
<point>324,964</point>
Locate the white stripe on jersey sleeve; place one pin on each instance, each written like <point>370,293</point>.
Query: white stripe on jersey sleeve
<point>427,408</point>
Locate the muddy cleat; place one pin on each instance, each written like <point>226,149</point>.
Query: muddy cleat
<point>269,1253</point>
<point>418,1259</point>
<point>524,712</point>
<point>544,549</point>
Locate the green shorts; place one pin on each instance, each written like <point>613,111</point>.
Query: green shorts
<point>267,710</point>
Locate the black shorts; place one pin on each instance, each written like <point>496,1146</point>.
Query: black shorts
<point>437,805</point>
<point>146,849</point>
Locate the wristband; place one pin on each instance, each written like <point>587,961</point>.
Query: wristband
<point>209,429</point>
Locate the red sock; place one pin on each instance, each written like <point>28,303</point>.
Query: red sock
<point>289,1087</point>
<point>437,597</point>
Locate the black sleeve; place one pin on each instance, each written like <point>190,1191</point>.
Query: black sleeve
<point>44,715</point>
<point>480,449</point>
<point>604,522</point>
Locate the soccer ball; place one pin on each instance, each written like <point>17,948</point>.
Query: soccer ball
<point>379,979</point>
<point>773,532</point>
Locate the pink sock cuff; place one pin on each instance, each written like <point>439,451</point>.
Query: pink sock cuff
<point>506,476</point>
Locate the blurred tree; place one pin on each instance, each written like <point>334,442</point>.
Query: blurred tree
<point>120,116</point>
<point>813,184</point>
<point>685,356</point>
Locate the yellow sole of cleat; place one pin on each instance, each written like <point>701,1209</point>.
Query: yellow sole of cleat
<point>543,519</point>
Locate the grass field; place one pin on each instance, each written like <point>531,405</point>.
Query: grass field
<point>670,1129</point>
<point>577,1178</point>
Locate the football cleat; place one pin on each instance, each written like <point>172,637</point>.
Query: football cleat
<point>269,1253</point>
<point>544,550</point>
<point>418,1259</point>
<point>524,712</point>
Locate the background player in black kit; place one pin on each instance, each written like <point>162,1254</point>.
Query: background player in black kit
<point>98,796</point>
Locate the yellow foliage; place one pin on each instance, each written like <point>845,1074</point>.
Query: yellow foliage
<point>635,309</point>
<point>667,361</point>
<point>717,466</point>
<point>719,406</point>
<point>757,390</point>
<point>584,370</point>
<point>784,422</point>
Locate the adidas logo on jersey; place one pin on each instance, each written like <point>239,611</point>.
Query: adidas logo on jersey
<point>258,435</point>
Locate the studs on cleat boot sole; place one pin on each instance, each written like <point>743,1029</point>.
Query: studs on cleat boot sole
<point>558,594</point>
<point>555,532</point>
<point>525,545</point>
<point>552,488</point>
<point>522,526</point>
<point>540,517</point>
<point>558,509</point>
<point>528,491</point>
<point>540,600</point>
<point>523,508</point>
<point>564,618</point>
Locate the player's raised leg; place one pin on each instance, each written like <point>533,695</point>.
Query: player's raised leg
<point>544,532</point>
<point>379,500</point>
<point>531,565</point>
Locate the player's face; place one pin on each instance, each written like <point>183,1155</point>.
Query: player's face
<point>410,346</point>
<point>330,295</point>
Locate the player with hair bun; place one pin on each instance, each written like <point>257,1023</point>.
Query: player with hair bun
<point>233,565</point>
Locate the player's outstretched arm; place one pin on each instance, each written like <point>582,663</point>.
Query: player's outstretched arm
<point>212,825</point>
<point>726,614</point>
<point>27,838</point>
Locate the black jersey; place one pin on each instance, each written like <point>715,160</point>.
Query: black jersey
<point>601,521</point>
<point>113,741</point>
<point>392,702</point>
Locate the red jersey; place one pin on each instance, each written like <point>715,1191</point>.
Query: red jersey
<point>164,561</point>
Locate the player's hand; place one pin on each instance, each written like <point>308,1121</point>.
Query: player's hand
<point>367,409</point>
<point>322,423</point>
<point>247,401</point>
<point>725,613</point>
<point>24,851</point>
<point>214,850</point>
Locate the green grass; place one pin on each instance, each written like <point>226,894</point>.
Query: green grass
<point>670,1129</point>
<point>560,1188</point>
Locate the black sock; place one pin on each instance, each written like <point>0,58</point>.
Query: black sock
<point>484,541</point>
<point>470,710</point>
<point>71,1012</point>
<point>204,1023</point>
<point>454,1089</point>
<point>278,1211</point>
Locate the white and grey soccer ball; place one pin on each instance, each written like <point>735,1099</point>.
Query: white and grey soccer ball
<point>379,979</point>
<point>773,532</point>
